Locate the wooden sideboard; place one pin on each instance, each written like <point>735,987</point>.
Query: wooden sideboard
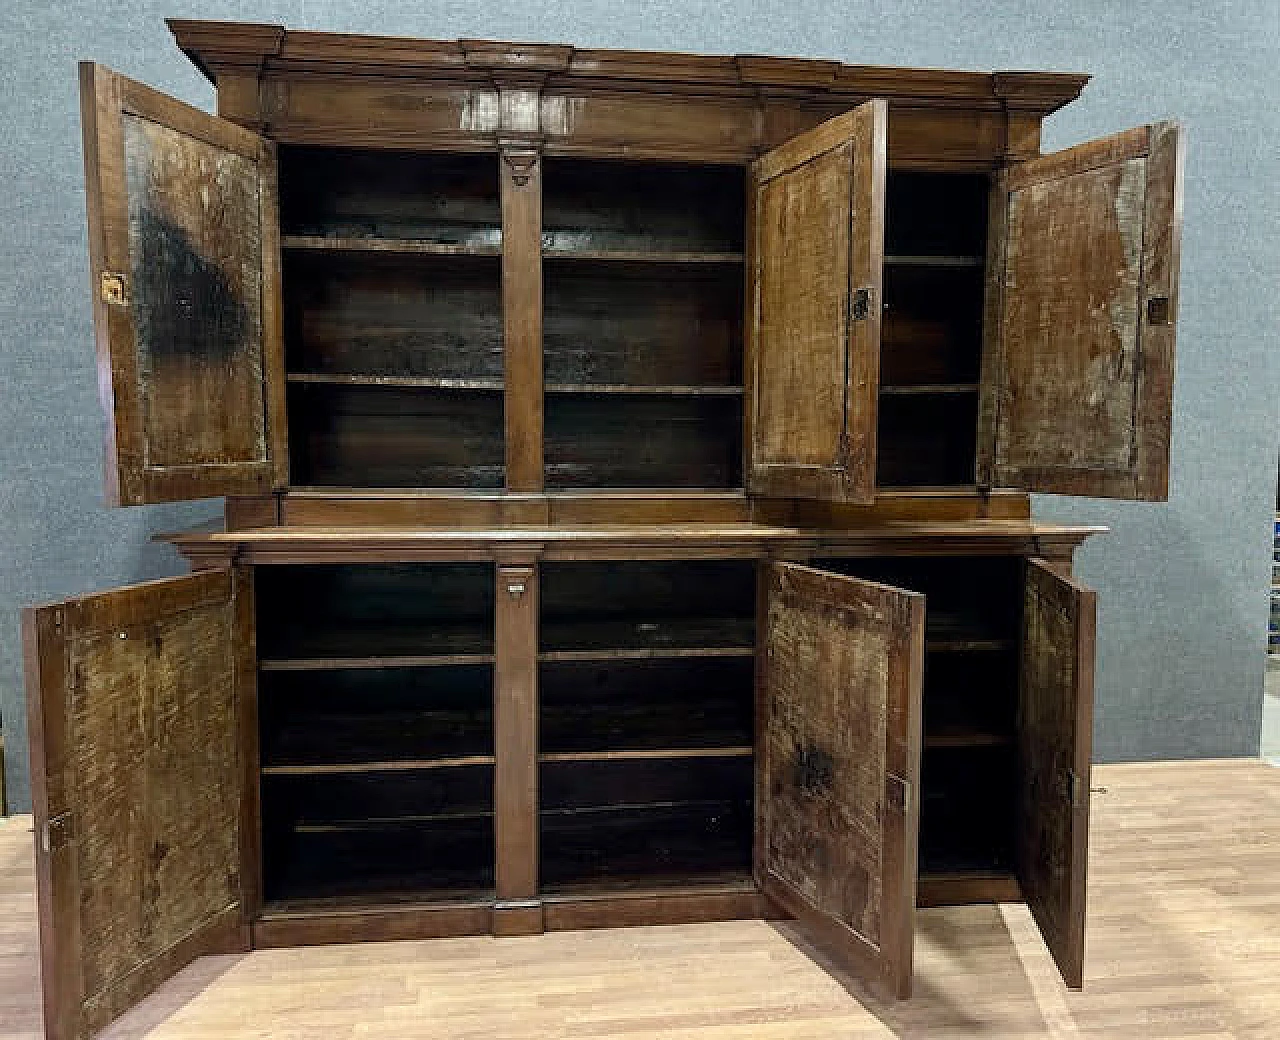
<point>626,461</point>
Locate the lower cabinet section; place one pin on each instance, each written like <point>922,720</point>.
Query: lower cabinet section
<point>376,698</point>
<point>430,749</point>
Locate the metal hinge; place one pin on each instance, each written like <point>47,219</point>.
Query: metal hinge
<point>56,833</point>
<point>860,304</point>
<point>111,289</point>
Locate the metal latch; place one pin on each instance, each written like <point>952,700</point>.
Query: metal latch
<point>1076,790</point>
<point>860,304</point>
<point>56,833</point>
<point>1158,311</point>
<point>899,794</point>
<point>111,288</point>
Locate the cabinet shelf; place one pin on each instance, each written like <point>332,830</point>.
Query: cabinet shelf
<point>964,646</point>
<point>403,765</point>
<point>668,390</point>
<point>644,256</point>
<point>914,389</point>
<point>329,664</point>
<point>957,737</point>
<point>375,244</point>
<point>932,260</point>
<point>420,382</point>
<point>643,754</point>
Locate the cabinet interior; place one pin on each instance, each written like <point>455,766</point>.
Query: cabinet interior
<point>931,328</point>
<point>375,706</point>
<point>642,328</point>
<point>392,297</point>
<point>645,723</point>
<point>376,724</point>
<point>392,283</point>
<point>972,647</point>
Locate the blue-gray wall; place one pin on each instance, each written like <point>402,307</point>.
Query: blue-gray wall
<point>1183,587</point>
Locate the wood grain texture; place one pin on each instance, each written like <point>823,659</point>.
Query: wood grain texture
<point>1081,319</point>
<point>137,697</point>
<point>840,760</point>
<point>180,211</point>
<point>516,732</point>
<point>1055,737</point>
<point>814,301</point>
<point>522,316</point>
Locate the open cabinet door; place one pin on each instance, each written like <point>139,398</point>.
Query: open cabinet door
<point>838,782</point>
<point>1082,304</point>
<point>184,248</point>
<point>1055,740</point>
<point>136,698</point>
<point>813,310</point>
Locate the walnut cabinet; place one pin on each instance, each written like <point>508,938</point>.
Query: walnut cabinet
<point>626,460</point>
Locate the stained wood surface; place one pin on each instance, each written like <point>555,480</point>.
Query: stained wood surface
<point>386,314</point>
<point>135,707</point>
<point>656,208</point>
<point>1183,926</point>
<point>613,323</point>
<point>516,705</point>
<point>367,198</point>
<point>814,304</point>
<point>1081,313</point>
<point>522,318</point>
<point>1055,738</point>
<point>840,764</point>
<point>181,217</point>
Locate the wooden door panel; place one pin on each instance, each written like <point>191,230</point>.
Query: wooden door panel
<point>184,248</point>
<point>817,249</point>
<point>840,764</point>
<point>136,704</point>
<point>1055,739</point>
<point>1081,319</point>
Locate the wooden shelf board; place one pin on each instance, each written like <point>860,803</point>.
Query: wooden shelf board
<point>967,739</point>
<point>374,902</point>
<point>639,754</point>
<point>388,823</point>
<point>644,654</point>
<point>646,389</point>
<point>411,382</point>
<point>375,244</point>
<point>392,766</point>
<point>926,389</point>
<point>961,646</point>
<point>666,256</point>
<point>931,260</point>
<point>677,804</point>
<point>646,886</point>
<point>330,664</point>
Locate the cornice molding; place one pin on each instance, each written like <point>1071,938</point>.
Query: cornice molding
<point>218,47</point>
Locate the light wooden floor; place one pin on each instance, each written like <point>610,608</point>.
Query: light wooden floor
<point>1184,941</point>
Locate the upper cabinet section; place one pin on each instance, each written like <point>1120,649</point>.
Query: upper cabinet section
<point>183,248</point>
<point>1081,312</point>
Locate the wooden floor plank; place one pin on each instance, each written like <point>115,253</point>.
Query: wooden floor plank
<point>1183,941</point>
